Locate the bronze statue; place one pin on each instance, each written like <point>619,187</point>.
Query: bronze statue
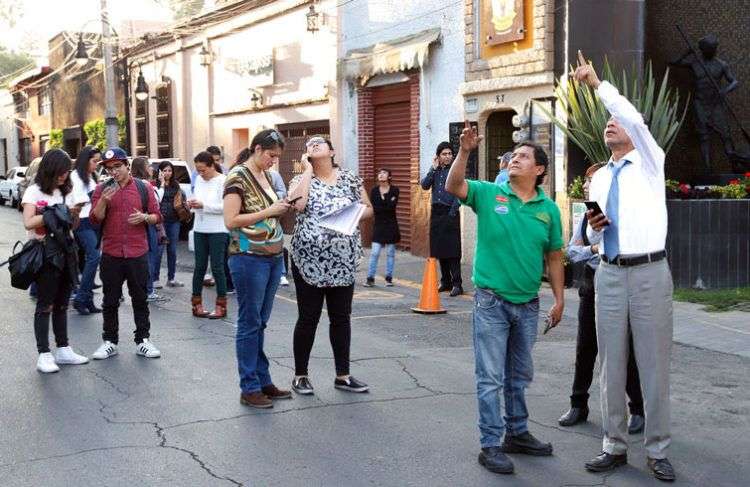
<point>710,105</point>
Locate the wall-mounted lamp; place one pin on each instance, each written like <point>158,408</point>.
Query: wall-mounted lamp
<point>141,88</point>
<point>256,100</point>
<point>206,56</point>
<point>313,20</point>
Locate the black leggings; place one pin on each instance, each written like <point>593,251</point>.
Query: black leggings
<point>310,306</point>
<point>53,293</point>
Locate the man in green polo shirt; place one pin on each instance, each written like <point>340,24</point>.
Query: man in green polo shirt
<point>518,228</point>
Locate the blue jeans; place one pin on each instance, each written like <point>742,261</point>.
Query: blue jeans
<point>504,334</point>
<point>172,229</point>
<point>88,239</point>
<point>375,255</point>
<point>152,257</point>
<point>256,280</point>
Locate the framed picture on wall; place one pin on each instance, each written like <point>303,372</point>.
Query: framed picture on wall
<point>504,20</point>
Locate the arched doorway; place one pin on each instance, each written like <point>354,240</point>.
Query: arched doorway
<point>499,140</point>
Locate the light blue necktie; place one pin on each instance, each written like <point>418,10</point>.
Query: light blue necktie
<point>612,231</point>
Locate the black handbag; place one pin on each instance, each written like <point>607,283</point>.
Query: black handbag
<point>25,265</point>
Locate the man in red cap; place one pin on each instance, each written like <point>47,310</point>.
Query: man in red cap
<point>124,206</point>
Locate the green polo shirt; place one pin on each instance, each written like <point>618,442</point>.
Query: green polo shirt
<point>512,238</point>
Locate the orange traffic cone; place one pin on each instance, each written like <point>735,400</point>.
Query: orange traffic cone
<point>429,299</point>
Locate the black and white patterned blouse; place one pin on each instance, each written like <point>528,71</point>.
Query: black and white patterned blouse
<point>326,258</point>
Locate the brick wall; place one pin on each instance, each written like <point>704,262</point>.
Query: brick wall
<point>497,62</point>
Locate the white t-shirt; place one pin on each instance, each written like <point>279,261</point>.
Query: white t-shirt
<point>210,218</point>
<point>81,192</point>
<point>32,196</point>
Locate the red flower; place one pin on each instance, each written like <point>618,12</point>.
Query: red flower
<point>734,181</point>
<point>684,188</point>
<point>41,204</point>
<point>747,174</point>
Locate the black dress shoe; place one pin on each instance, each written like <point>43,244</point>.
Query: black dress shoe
<point>456,291</point>
<point>661,469</point>
<point>526,444</point>
<point>444,288</point>
<point>635,424</point>
<point>606,462</point>
<point>574,416</point>
<point>494,460</point>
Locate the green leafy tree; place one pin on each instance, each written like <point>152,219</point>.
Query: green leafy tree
<point>55,139</point>
<point>12,62</point>
<point>587,117</point>
<point>96,132</point>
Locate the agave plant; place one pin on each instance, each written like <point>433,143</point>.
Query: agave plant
<point>586,116</point>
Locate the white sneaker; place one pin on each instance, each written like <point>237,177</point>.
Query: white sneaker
<point>147,349</point>
<point>153,297</point>
<point>175,283</point>
<point>158,285</point>
<point>105,350</point>
<point>46,363</point>
<point>284,281</point>
<point>66,356</point>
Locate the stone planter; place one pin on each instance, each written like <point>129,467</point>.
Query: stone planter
<point>708,242</point>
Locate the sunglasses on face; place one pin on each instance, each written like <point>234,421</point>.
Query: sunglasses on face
<point>315,141</point>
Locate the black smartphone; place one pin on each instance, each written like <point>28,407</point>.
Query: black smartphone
<point>594,207</point>
<point>291,202</point>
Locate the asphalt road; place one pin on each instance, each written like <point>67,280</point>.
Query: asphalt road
<point>177,421</point>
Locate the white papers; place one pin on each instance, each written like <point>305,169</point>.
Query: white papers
<point>343,220</point>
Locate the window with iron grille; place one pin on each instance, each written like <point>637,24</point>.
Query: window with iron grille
<point>164,120</point>
<point>141,128</point>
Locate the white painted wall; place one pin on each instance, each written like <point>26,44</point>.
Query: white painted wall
<point>205,99</point>
<point>367,22</point>
<point>8,130</point>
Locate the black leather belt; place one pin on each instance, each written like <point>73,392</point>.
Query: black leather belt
<point>636,260</point>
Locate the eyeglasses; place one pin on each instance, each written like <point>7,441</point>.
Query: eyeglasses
<point>114,167</point>
<point>315,140</point>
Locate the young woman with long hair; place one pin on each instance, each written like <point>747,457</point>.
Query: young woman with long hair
<point>83,179</point>
<point>324,262</point>
<point>210,236</point>
<point>385,233</point>
<point>251,213</point>
<point>169,189</point>
<point>58,275</point>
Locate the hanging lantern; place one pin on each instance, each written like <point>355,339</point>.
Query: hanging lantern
<point>81,57</point>
<point>205,55</point>
<point>313,20</point>
<point>141,88</point>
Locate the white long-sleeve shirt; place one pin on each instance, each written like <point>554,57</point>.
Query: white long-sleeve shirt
<point>642,212</point>
<point>210,218</point>
<point>81,192</point>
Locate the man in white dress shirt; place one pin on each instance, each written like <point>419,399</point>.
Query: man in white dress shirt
<point>633,280</point>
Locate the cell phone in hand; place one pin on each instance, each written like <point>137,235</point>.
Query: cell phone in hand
<point>547,325</point>
<point>293,201</point>
<point>594,207</point>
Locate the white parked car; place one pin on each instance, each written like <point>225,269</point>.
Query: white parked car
<point>9,185</point>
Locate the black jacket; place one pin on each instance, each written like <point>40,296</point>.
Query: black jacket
<point>385,229</point>
<point>60,249</point>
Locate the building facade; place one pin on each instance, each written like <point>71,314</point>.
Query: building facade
<point>400,68</point>
<point>9,156</point>
<point>33,112</point>
<point>223,76</point>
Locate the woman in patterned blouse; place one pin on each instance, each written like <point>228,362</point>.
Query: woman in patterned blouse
<point>251,213</point>
<point>324,262</point>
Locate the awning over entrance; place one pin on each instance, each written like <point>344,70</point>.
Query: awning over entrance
<point>391,56</point>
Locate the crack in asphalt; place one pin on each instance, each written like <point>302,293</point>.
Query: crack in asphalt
<point>160,434</point>
<point>415,379</point>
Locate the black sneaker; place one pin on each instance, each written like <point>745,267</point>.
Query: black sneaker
<point>370,282</point>
<point>350,384</point>
<point>388,281</point>
<point>494,460</point>
<point>302,385</point>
